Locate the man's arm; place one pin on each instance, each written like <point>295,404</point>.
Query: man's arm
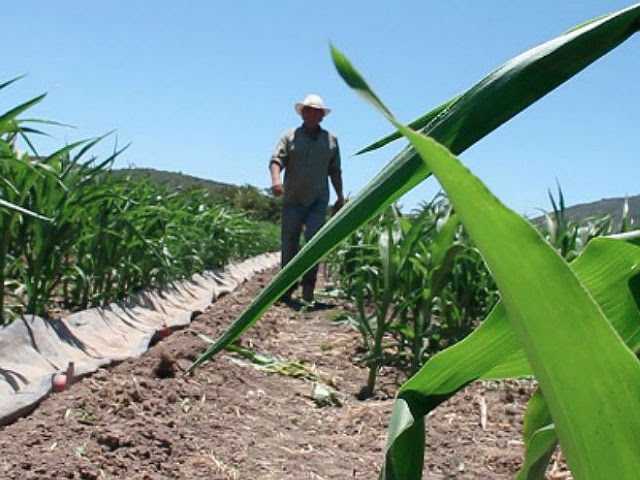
<point>278,162</point>
<point>276,184</point>
<point>335,174</point>
<point>336,181</point>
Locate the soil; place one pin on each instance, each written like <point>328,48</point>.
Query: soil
<point>145,419</point>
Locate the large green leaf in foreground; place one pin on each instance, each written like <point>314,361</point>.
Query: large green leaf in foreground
<point>607,268</point>
<point>554,319</point>
<point>458,125</point>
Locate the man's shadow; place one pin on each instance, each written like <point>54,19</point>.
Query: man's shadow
<point>302,306</point>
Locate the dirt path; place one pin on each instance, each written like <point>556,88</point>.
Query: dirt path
<point>144,419</point>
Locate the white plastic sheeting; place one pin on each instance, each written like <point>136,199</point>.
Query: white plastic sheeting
<point>34,349</point>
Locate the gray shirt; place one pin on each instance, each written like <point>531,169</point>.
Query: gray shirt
<point>307,160</point>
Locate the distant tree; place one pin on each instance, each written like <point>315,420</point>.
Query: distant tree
<point>257,203</point>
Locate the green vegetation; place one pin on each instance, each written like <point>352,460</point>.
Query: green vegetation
<point>570,236</point>
<point>616,209</point>
<point>75,236</point>
<point>573,326</point>
<point>258,204</point>
<point>414,280</point>
<point>420,285</point>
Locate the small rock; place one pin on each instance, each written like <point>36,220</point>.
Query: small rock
<point>324,397</point>
<point>166,367</point>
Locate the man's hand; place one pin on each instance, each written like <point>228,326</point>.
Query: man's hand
<point>337,205</point>
<point>277,189</point>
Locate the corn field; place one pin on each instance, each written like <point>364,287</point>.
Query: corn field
<point>570,318</point>
<point>462,290</point>
<point>74,236</point>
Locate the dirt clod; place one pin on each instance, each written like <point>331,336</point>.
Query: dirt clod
<point>166,367</point>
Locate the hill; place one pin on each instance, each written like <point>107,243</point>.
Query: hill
<point>607,206</point>
<point>178,179</point>
<point>612,207</point>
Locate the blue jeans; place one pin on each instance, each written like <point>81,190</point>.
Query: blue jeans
<point>294,217</point>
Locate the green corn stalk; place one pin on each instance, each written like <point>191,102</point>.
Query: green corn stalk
<point>570,237</point>
<point>442,252</point>
<point>446,288</point>
<point>468,297</point>
<point>372,272</point>
<point>413,304</point>
<point>626,224</point>
<point>378,269</point>
<point>425,256</point>
<point>384,287</point>
<point>12,211</point>
<point>63,193</point>
<point>562,233</point>
<point>358,270</point>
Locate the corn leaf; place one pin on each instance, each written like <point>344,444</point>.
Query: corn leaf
<point>530,75</point>
<point>8,122</point>
<point>9,82</point>
<point>609,270</point>
<point>19,209</point>
<point>539,437</point>
<point>421,123</point>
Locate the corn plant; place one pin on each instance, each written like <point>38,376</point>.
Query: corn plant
<point>381,284</point>
<point>384,268</point>
<point>466,300</point>
<point>394,269</point>
<point>64,193</point>
<point>425,282</point>
<point>570,237</point>
<point>440,292</point>
<point>537,286</point>
<point>12,210</point>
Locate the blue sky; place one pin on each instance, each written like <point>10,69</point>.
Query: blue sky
<point>206,88</point>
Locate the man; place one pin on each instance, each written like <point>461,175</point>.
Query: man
<point>308,155</point>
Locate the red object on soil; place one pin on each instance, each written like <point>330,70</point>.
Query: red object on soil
<point>59,382</point>
<point>165,331</point>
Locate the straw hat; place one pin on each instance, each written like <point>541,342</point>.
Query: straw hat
<point>314,101</point>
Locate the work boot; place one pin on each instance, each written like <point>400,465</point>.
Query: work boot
<point>307,292</point>
<point>286,296</point>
